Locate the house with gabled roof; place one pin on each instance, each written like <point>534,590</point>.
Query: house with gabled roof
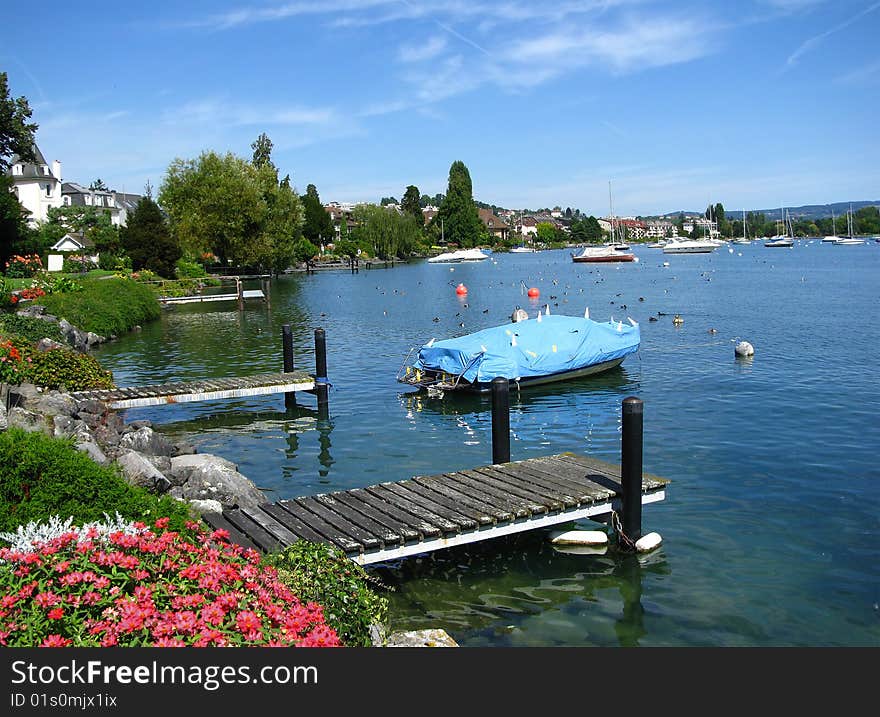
<point>36,185</point>
<point>118,204</point>
<point>496,225</point>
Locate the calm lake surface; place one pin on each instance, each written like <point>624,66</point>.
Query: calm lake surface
<point>771,525</point>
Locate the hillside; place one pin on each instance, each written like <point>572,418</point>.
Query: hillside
<point>807,211</point>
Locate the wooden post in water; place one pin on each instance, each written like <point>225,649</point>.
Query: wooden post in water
<point>631,471</point>
<point>287,348</point>
<point>239,288</point>
<point>322,387</point>
<point>500,420</point>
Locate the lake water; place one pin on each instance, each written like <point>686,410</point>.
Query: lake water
<point>771,525</point>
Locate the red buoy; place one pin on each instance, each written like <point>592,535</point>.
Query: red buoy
<point>534,293</point>
<point>461,290</point>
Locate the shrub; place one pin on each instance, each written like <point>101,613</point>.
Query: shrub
<point>185,269</point>
<point>323,574</point>
<point>42,476</point>
<point>111,262</point>
<point>159,589</point>
<point>14,361</point>
<point>64,368</point>
<point>23,266</point>
<point>107,307</point>
<point>30,328</point>
<point>60,285</point>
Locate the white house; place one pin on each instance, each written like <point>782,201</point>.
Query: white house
<point>117,204</point>
<point>36,185</point>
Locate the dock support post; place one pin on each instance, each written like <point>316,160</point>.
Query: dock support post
<point>239,289</point>
<point>287,348</point>
<point>631,470</point>
<point>500,420</point>
<point>322,387</point>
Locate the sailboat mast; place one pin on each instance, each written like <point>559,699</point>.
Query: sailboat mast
<point>611,207</point>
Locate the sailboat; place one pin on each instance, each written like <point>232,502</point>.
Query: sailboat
<point>608,252</point>
<point>745,239</point>
<point>783,239</point>
<point>850,239</point>
<point>833,238</point>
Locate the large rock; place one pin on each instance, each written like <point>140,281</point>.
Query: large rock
<point>146,440</point>
<point>182,466</point>
<point>215,480</point>
<point>421,638</point>
<point>3,420</point>
<point>206,506</point>
<point>28,420</point>
<point>55,403</point>
<point>138,471</point>
<point>25,395</point>
<point>93,451</point>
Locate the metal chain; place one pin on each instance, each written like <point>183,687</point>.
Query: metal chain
<point>619,529</point>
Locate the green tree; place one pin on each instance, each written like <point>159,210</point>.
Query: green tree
<point>262,147</point>
<point>283,227</point>
<point>386,232</point>
<point>99,186</point>
<point>546,232</point>
<point>458,212</point>
<point>410,203</point>
<point>148,240</point>
<point>317,226</point>
<point>215,204</point>
<point>16,133</point>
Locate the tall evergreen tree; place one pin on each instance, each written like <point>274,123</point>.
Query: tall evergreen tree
<point>410,203</point>
<point>14,231</point>
<point>318,226</point>
<point>262,147</point>
<point>148,241</point>
<point>458,213</point>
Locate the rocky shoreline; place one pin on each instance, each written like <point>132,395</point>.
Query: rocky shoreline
<point>146,458</point>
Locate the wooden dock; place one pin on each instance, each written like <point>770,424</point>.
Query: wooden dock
<point>203,298</point>
<point>426,513</point>
<point>207,390</point>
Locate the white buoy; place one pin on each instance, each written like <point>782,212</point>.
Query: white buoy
<point>648,542</point>
<point>587,313</point>
<point>579,537</point>
<point>539,317</point>
<point>744,348</point>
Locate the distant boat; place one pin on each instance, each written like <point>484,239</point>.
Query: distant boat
<point>600,254</point>
<point>832,238</point>
<point>850,239</point>
<point>782,240</point>
<point>745,238</point>
<point>679,245</point>
<point>609,252</point>
<point>656,245</point>
<point>457,257</point>
<point>523,250</point>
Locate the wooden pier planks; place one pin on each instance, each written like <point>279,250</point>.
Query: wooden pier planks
<point>211,389</point>
<point>425,513</point>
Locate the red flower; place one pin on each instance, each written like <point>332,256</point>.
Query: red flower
<point>55,641</point>
<point>56,613</point>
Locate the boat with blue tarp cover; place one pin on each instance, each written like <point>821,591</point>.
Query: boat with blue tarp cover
<point>528,352</point>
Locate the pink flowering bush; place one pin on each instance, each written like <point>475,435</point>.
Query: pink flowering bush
<point>153,588</point>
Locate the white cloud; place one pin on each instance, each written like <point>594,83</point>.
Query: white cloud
<point>425,51</point>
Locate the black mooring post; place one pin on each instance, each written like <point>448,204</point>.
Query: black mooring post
<point>287,348</point>
<point>631,467</point>
<point>322,388</point>
<point>500,420</point>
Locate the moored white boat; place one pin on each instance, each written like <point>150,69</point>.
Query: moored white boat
<point>677,245</point>
<point>455,257</point>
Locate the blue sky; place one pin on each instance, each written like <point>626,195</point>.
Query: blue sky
<point>755,104</point>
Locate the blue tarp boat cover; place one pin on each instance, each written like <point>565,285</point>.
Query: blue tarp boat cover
<point>531,348</point>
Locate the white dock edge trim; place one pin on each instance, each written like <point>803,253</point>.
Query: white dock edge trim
<point>496,531</point>
<point>211,395</point>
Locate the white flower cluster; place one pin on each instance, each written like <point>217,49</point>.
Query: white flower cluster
<point>29,537</point>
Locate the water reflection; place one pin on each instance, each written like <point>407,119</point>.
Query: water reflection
<point>497,591</point>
